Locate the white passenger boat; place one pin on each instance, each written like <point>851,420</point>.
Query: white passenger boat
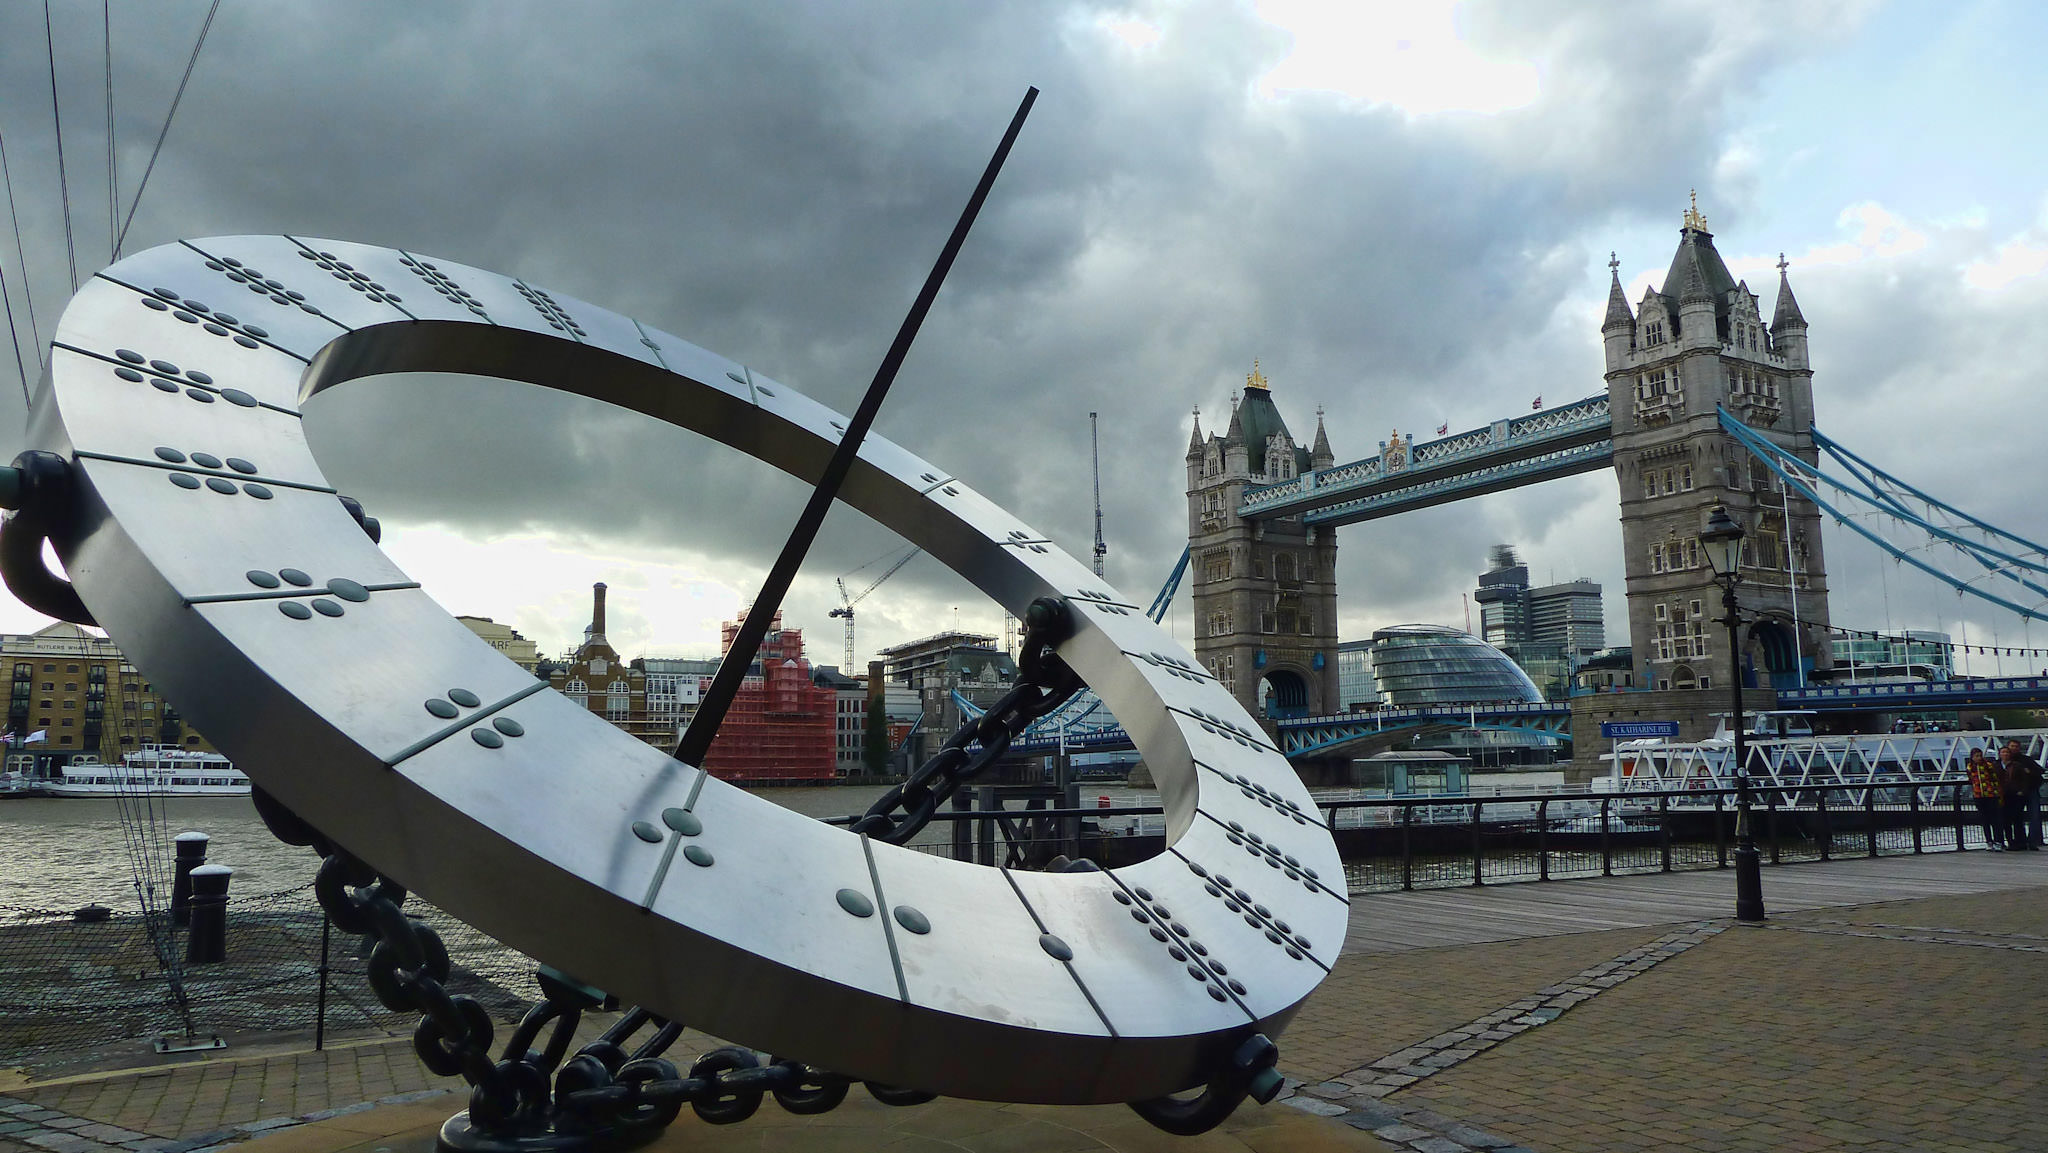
<point>153,772</point>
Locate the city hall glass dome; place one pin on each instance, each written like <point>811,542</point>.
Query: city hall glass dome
<point>1436,665</point>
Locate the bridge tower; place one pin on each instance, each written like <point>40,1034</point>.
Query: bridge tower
<point>1265,592</point>
<point>1699,342</point>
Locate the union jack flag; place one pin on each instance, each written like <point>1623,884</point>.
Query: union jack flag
<point>1537,403</point>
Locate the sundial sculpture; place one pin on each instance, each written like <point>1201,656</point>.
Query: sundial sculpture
<point>169,468</point>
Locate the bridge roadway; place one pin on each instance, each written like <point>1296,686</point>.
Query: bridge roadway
<point>1083,726</point>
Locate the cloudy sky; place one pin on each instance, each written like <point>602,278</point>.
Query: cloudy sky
<point>1403,211</point>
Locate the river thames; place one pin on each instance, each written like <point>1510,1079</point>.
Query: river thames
<point>61,853</point>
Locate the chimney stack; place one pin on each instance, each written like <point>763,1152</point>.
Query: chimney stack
<point>597,608</point>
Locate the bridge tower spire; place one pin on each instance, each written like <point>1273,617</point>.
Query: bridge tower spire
<point>1264,592</point>
<point>1699,343</point>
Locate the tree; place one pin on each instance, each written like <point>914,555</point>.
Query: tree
<point>876,753</point>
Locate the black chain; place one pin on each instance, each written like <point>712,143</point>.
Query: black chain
<point>1044,683</point>
<point>617,1095</point>
<point>605,1089</point>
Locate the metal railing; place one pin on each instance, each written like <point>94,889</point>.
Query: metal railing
<point>1394,843</point>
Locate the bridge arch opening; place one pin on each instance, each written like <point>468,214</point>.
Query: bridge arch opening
<point>1283,693</point>
<point>1774,651</point>
<point>1683,677</point>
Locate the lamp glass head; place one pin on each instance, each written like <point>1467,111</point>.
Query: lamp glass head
<point>1722,538</point>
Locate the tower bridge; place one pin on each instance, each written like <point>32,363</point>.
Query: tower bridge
<point>1706,405</point>
<point>1263,509</point>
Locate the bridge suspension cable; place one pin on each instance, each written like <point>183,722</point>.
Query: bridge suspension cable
<point>1873,495</point>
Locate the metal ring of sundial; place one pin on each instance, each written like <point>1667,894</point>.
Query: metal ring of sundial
<point>208,543</point>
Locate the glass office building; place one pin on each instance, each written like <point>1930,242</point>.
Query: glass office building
<point>1437,665</point>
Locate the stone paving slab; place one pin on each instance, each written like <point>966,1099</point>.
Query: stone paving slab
<point>1781,1039</point>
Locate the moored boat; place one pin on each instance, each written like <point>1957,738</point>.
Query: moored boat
<point>152,772</point>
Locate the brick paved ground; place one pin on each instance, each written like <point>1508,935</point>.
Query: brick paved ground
<point>1371,1005</point>
<point>1900,1025</point>
<point>1784,1039</point>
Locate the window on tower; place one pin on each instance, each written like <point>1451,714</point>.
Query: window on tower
<point>1767,550</point>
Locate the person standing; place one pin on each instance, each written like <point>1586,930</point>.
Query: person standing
<point>2022,797</point>
<point>1986,788</point>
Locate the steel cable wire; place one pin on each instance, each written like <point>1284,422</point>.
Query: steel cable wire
<point>57,122</point>
<point>113,171</point>
<point>121,238</point>
<point>20,261</point>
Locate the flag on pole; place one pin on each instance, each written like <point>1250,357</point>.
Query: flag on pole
<point>1443,428</point>
<point>38,735</point>
<point>1537,403</point>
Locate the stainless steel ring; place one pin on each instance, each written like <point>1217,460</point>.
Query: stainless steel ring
<point>210,545</point>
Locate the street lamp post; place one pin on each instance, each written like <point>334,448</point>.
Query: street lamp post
<point>1722,539</point>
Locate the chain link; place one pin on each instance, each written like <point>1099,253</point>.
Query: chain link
<point>1044,683</point>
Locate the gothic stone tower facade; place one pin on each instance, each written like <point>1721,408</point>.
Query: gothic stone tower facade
<point>1701,342</point>
<point>1265,592</point>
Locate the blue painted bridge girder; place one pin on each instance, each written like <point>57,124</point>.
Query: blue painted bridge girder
<point>1958,693</point>
<point>1314,736</point>
<point>1557,442</point>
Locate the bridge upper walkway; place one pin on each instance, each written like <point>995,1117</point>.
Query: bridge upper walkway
<point>1544,445</point>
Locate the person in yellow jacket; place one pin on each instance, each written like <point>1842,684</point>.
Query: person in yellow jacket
<point>1987,787</point>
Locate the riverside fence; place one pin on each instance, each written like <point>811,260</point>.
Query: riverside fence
<point>74,990</point>
<point>80,986</point>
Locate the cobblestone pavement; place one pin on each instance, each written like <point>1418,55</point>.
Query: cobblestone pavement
<point>1903,1026</point>
<point>1900,1025</point>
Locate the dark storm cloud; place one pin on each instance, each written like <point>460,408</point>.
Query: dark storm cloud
<point>772,181</point>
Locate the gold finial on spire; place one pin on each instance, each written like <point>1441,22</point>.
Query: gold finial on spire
<point>1256,379</point>
<point>1693,219</point>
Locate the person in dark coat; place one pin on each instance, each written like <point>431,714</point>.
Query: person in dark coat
<point>2022,797</point>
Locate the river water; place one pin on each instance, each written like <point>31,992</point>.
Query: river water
<point>61,853</point>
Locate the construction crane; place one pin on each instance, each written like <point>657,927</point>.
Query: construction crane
<point>1095,455</point>
<point>845,608</point>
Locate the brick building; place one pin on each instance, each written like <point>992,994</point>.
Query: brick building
<point>595,677</point>
<point>75,688</point>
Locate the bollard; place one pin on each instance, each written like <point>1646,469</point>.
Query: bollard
<point>208,940</point>
<point>191,855</point>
